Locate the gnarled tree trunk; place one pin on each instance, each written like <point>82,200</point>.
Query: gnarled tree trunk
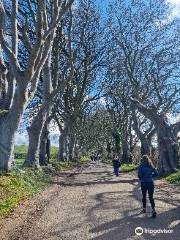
<point>125,152</point>
<point>168,150</point>
<point>62,143</point>
<point>145,146</point>
<point>38,123</point>
<point>25,80</point>
<point>34,133</point>
<point>145,142</point>
<point>9,123</point>
<point>45,147</point>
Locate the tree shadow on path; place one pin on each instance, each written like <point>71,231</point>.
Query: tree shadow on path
<point>124,228</point>
<point>130,217</point>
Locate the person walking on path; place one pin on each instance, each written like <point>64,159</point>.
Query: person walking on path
<point>98,157</point>
<point>116,164</point>
<point>92,157</point>
<point>146,173</point>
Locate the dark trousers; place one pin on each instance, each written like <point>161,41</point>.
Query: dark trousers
<point>148,187</point>
<point>116,170</point>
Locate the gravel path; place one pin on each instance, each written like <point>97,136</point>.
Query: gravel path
<point>94,204</point>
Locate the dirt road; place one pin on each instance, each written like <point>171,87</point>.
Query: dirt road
<point>94,204</point>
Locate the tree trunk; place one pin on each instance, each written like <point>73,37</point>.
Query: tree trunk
<point>116,137</point>
<point>168,150</point>
<point>108,149</point>
<point>125,152</point>
<point>71,147</point>
<point>62,140</point>
<point>6,146</point>
<point>76,151</point>
<point>34,133</point>
<point>8,126</point>
<point>145,147</point>
<point>35,130</point>
<point>45,148</point>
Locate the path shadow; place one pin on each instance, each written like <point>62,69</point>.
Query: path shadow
<point>124,227</point>
<point>102,180</point>
<point>96,173</point>
<point>129,218</point>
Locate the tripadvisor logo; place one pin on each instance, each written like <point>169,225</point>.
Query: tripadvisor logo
<point>139,231</point>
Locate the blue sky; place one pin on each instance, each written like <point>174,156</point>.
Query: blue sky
<point>102,3</point>
<point>175,7</point>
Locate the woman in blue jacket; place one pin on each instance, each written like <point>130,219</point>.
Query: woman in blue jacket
<point>116,164</point>
<point>146,173</point>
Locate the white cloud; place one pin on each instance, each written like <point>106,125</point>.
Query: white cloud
<point>102,101</point>
<point>54,137</point>
<point>175,8</point>
<point>21,138</point>
<point>175,2</point>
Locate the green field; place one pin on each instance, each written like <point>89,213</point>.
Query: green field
<point>24,148</point>
<point>21,151</point>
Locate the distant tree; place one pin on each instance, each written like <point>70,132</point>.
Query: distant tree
<point>87,51</point>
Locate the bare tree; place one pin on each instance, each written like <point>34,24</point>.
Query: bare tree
<point>144,134</point>
<point>167,142</point>
<point>87,54</point>
<point>28,25</point>
<point>146,46</point>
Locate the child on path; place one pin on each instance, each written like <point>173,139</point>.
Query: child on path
<point>146,173</point>
<point>116,164</point>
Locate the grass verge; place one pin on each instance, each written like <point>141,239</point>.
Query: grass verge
<point>173,178</point>
<point>18,186</point>
<point>128,167</point>
<point>22,184</point>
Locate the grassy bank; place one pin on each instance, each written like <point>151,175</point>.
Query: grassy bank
<point>173,178</point>
<point>18,186</point>
<point>129,167</point>
<point>21,185</point>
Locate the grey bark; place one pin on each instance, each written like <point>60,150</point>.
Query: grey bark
<point>145,142</point>
<point>167,145</point>
<point>62,143</point>
<point>35,130</point>
<point>125,152</point>
<point>71,146</point>
<point>8,125</point>
<point>45,146</point>
<point>34,133</point>
<point>26,81</point>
